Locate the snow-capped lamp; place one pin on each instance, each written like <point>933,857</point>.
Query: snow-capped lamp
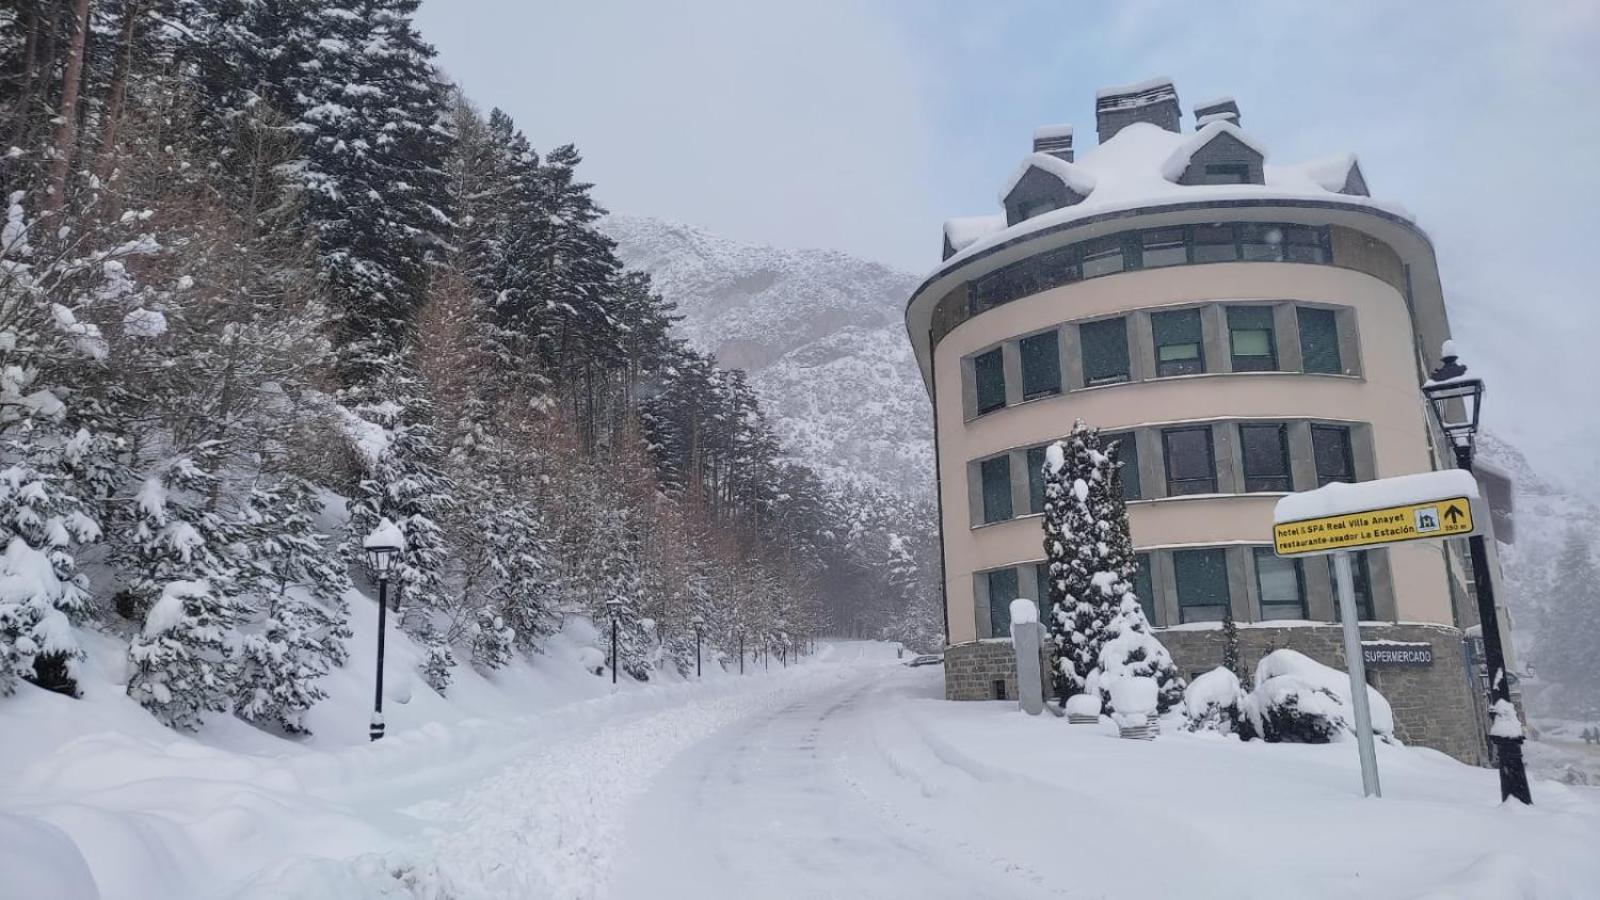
<point>382,546</point>
<point>1455,398</point>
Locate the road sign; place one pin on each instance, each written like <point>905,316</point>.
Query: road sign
<point>1428,520</point>
<point>1396,653</point>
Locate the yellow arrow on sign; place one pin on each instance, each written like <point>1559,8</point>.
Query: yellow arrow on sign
<point>1426,521</point>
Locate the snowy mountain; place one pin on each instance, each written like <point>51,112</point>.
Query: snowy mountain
<point>820,334</point>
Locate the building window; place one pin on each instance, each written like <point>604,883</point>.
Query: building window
<point>1330,448</point>
<point>1282,585</point>
<point>1226,173</point>
<point>1105,351</point>
<point>1361,574</point>
<point>1303,243</point>
<point>1265,449</point>
<point>1261,243</point>
<point>996,475</point>
<point>1191,467</point>
<point>1038,208</point>
<point>1002,590</point>
<point>1128,461</point>
<point>1164,247</point>
<point>1319,340</point>
<point>989,369</point>
<point>1102,256</point>
<point>1178,342</point>
<point>1041,365</point>
<point>1250,340</point>
<point>1035,479</point>
<point>1202,577</point>
<point>1144,587</point>
<point>1213,243</point>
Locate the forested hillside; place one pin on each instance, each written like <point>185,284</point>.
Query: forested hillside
<point>266,279</point>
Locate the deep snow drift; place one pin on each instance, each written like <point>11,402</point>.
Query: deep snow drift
<point>845,775</point>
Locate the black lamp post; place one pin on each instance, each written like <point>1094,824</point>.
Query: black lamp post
<point>699,623</point>
<point>614,606</point>
<point>382,546</point>
<point>1456,399</point>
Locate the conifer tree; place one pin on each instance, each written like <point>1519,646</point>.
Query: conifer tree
<point>1077,529</point>
<point>1566,649</point>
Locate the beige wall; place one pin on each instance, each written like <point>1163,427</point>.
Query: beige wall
<point>1384,395</point>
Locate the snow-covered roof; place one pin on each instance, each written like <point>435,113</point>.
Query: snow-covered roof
<point>1071,175</point>
<point>1128,172</point>
<point>1218,101</point>
<point>1138,87</point>
<point>963,231</point>
<point>1203,121</point>
<point>1178,162</point>
<point>1048,132</point>
<point>1331,171</point>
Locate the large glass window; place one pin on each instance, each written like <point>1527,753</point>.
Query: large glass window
<point>1002,590</point>
<point>1362,576</point>
<point>1178,342</point>
<point>1191,467</point>
<point>1164,247</point>
<point>1319,340</point>
<point>1265,449</point>
<point>1250,339</point>
<point>1102,256</point>
<point>1143,585</point>
<point>1330,448</point>
<point>1213,243</point>
<point>1128,457</point>
<point>1282,585</point>
<point>1036,479</point>
<point>1260,242</point>
<point>996,474</point>
<point>1105,351</point>
<point>1041,365</point>
<point>990,371</point>
<point>1202,577</point>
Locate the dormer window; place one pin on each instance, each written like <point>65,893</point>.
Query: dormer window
<point>1226,173</point>
<point>1038,208</point>
<point>1043,183</point>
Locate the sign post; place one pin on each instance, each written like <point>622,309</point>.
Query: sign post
<point>1339,518</point>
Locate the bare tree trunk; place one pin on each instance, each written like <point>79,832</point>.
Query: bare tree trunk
<point>71,85</point>
<point>117,93</point>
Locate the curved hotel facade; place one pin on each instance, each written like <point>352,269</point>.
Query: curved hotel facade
<point>1242,330</point>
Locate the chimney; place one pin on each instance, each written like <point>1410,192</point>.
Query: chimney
<point>1055,140</point>
<point>1154,101</point>
<point>1221,109</point>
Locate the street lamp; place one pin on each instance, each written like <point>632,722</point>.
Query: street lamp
<point>1456,400</point>
<point>699,623</point>
<point>383,545</point>
<point>614,606</point>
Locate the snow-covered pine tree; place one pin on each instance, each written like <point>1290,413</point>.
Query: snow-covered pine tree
<point>1230,645</point>
<point>298,630</point>
<point>1572,628</point>
<point>1076,530</point>
<point>492,641</point>
<point>184,659</point>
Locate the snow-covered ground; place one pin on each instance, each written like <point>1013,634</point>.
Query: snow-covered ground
<point>846,775</point>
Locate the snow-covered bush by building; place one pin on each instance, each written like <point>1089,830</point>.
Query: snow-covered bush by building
<point>1132,651</point>
<point>1299,700</point>
<point>1214,701</point>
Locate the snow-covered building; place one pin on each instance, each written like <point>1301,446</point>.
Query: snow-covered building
<point>1244,328</point>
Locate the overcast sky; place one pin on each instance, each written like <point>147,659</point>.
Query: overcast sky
<point>861,126</point>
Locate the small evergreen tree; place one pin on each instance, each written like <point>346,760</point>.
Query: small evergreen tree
<point>1230,646</point>
<point>1077,505</point>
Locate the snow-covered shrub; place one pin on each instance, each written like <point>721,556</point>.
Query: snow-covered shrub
<point>1131,651</point>
<point>183,659</point>
<point>1215,702</point>
<point>492,641</point>
<point>1132,698</point>
<point>1299,700</point>
<point>437,664</point>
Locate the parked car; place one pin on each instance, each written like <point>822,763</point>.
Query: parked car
<point>927,659</point>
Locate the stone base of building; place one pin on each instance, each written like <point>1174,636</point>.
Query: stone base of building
<point>1434,705</point>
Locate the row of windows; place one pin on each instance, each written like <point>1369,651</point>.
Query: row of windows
<point>1179,350</point>
<point>1151,248</point>
<point>1190,464</point>
<point>1200,578</point>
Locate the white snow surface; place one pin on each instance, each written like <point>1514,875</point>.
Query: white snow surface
<point>847,775</point>
<point>1024,612</point>
<point>1320,689</point>
<point>387,534</point>
<point>1075,178</point>
<point>1178,162</point>
<point>1339,498</point>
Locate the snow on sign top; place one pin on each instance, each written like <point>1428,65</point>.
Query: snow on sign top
<point>1340,499</point>
<point>1023,612</point>
<point>385,536</point>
